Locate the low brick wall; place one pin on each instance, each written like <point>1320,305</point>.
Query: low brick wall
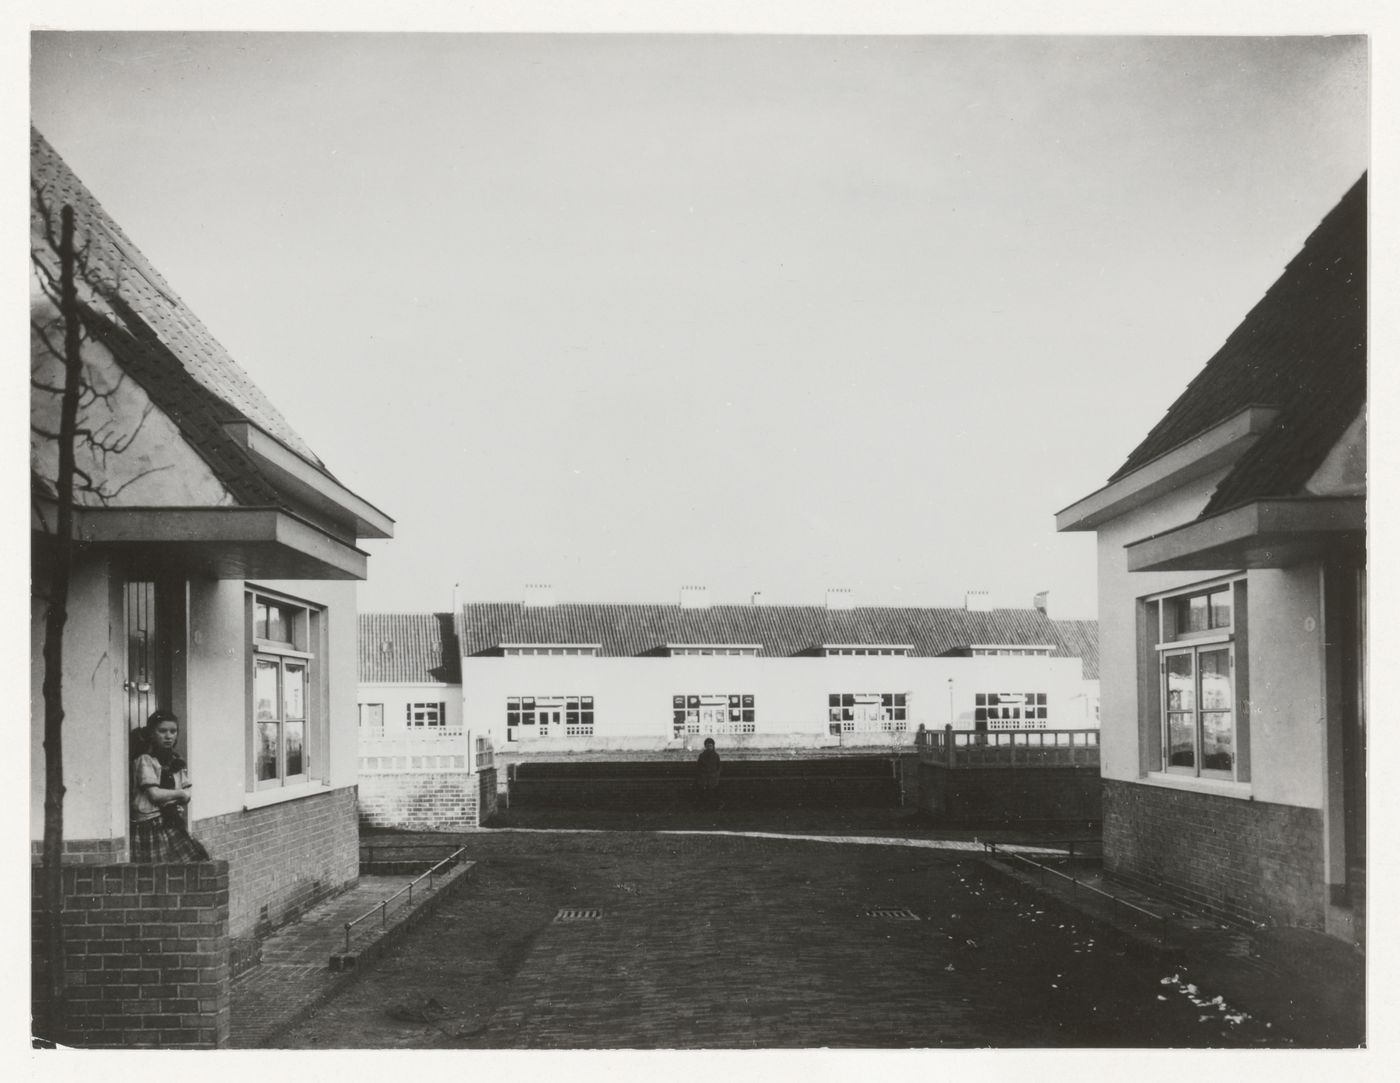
<point>284,858</point>
<point>84,851</point>
<point>146,950</point>
<point>1246,860</point>
<point>671,782</point>
<point>427,800</point>
<point>1009,795</point>
<point>488,795</point>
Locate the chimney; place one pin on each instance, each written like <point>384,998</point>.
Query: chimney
<point>1042,602</point>
<point>840,598</point>
<point>538,595</point>
<point>757,598</point>
<point>694,598</point>
<point>978,601</point>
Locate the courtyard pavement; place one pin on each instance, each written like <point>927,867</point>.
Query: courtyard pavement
<point>569,939</point>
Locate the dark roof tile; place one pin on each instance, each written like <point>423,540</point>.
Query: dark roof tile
<point>136,295</point>
<point>1302,350</point>
<point>417,648</point>
<point>783,631</point>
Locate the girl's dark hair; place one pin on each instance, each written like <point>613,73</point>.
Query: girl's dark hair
<point>157,717</point>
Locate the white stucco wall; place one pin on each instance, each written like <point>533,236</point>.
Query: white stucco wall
<point>1286,685</point>
<point>396,697</point>
<point>155,466</point>
<point>94,738</point>
<point>633,696</point>
<point>215,726</point>
<point>1285,659</point>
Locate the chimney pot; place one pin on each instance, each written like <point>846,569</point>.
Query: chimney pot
<point>539,594</point>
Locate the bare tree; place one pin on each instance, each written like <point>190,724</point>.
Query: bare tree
<point>59,333</point>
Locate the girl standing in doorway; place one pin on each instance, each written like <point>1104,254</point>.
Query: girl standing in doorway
<point>160,787</point>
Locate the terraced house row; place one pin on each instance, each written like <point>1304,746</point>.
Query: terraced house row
<point>540,676</point>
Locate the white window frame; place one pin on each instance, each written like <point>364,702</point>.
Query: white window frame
<point>1012,710</point>
<point>868,712</point>
<point>283,657</point>
<point>371,729</point>
<point>514,650</point>
<point>425,715</point>
<point>866,650</point>
<point>576,711</point>
<point>722,713</point>
<point>1194,644</point>
<point>731,650</point>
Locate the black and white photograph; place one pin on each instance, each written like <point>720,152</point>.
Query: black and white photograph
<point>708,535</point>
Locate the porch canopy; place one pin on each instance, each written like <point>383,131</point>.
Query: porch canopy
<point>219,543</point>
<point>1273,533</point>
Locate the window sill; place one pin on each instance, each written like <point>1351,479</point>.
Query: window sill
<point>1218,786</point>
<point>263,798</point>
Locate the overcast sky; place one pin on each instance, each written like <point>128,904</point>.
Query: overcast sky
<point>621,313</point>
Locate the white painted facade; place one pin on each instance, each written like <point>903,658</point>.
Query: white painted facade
<point>634,698</point>
<point>1285,660</point>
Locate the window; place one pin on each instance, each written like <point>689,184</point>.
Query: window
<point>534,716</point>
<point>512,650</point>
<point>863,712</point>
<point>286,691</point>
<point>883,651</point>
<point>1198,693</point>
<point>712,712</point>
<point>733,650</point>
<point>426,714</point>
<point>371,720</point>
<point>1011,711</point>
<point>997,651</point>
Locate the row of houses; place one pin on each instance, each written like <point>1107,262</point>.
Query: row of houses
<point>213,575</point>
<point>544,677</point>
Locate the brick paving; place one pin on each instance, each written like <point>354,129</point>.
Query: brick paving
<point>743,941</point>
<point>295,972</point>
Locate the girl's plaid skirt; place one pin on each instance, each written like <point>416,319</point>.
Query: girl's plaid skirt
<point>159,842</point>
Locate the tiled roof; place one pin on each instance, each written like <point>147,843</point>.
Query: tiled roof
<point>151,310</point>
<point>1302,350</point>
<point>783,630</point>
<point>1081,637</point>
<point>417,648</point>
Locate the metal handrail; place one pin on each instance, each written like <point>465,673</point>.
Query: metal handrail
<point>395,845</point>
<point>383,906</point>
<point>991,847</point>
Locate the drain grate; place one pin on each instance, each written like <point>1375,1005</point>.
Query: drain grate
<point>894,913</point>
<point>577,914</point>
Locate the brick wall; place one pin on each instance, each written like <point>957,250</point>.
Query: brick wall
<point>146,951</point>
<point>734,792</point>
<point>283,858</point>
<point>424,800</point>
<point>84,851</point>
<point>1247,860</point>
<point>976,795</point>
<point>488,795</point>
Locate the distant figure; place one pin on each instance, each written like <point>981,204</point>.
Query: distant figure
<point>709,773</point>
<point>160,790</point>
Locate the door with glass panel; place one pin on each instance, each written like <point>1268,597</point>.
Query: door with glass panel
<point>279,705</point>
<point>1200,711</point>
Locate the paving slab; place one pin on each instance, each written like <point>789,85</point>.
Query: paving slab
<point>296,972</point>
<point>747,940</point>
